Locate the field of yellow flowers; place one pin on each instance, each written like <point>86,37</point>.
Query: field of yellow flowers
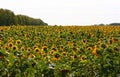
<point>59,51</point>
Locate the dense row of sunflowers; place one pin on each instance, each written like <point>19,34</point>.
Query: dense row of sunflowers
<point>56,51</point>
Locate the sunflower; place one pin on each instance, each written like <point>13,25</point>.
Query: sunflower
<point>22,48</point>
<point>35,47</point>
<point>73,57</point>
<point>1,30</point>
<point>23,56</point>
<point>61,47</point>
<point>37,50</point>
<point>18,42</point>
<point>44,48</point>
<point>89,48</point>
<point>14,47</point>
<point>56,57</point>
<point>28,49</point>
<point>10,45</point>
<point>31,55</point>
<point>27,36</point>
<point>83,40</point>
<point>6,48</point>
<point>10,39</point>
<point>35,38</point>
<point>65,54</point>
<point>52,52</point>
<point>82,57</point>
<point>102,45</point>
<point>114,40</point>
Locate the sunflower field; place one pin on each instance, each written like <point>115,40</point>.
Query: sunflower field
<point>59,51</point>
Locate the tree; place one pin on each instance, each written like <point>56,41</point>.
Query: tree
<point>7,17</point>
<point>115,24</point>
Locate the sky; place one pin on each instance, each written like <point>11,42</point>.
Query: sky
<point>67,12</point>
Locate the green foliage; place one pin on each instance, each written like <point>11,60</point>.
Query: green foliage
<point>7,18</point>
<point>56,51</point>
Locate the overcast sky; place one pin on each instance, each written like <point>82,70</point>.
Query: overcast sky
<point>67,12</point>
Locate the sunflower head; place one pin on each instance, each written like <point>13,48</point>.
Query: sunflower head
<point>44,48</point>
<point>6,48</point>
<point>28,49</point>
<point>89,48</point>
<point>61,48</point>
<point>22,48</point>
<point>14,47</point>
<point>52,52</point>
<point>103,45</point>
<point>35,46</point>
<point>10,39</point>
<point>83,57</point>
<point>56,57</point>
<point>83,40</point>
<point>10,45</point>
<point>37,50</point>
<point>18,42</point>
<point>65,54</point>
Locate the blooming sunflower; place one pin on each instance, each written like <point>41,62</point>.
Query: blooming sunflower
<point>22,48</point>
<point>10,39</point>
<point>6,48</point>
<point>89,48</point>
<point>61,47</point>
<point>18,42</point>
<point>44,48</point>
<point>14,47</point>
<point>82,57</point>
<point>37,50</point>
<point>56,57</point>
<point>28,49</point>
<point>35,47</point>
<point>65,54</point>
<point>10,45</point>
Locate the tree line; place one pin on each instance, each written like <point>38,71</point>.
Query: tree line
<point>7,17</point>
